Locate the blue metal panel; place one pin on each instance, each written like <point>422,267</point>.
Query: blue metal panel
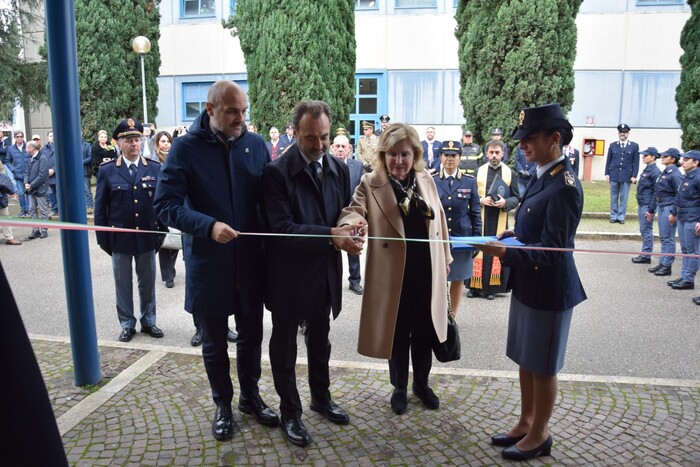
<point>649,99</point>
<point>597,94</point>
<point>416,97</point>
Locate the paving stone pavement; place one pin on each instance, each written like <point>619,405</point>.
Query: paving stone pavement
<point>163,417</point>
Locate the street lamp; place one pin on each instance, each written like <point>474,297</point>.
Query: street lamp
<point>142,46</point>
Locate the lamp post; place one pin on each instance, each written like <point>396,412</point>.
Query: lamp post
<point>141,45</point>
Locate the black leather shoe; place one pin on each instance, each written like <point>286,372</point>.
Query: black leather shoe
<point>696,300</point>
<point>169,284</point>
<point>673,281</point>
<point>231,336</point>
<point>43,235</point>
<point>332,412</point>
<point>504,440</point>
<point>152,331</point>
<point>256,407</point>
<point>295,432</point>
<point>222,426</point>
<point>127,334</point>
<point>430,400</point>
<point>399,402</point>
<point>621,221</point>
<point>472,294</point>
<point>641,260</point>
<point>654,268</point>
<point>515,454</point>
<point>683,285</point>
<point>490,296</point>
<point>196,340</point>
<point>357,288</point>
<point>663,271</point>
<point>612,221</point>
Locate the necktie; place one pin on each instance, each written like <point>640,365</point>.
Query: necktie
<point>430,153</point>
<point>132,172</point>
<point>450,180</point>
<point>315,170</point>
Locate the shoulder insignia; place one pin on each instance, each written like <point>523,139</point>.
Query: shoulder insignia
<point>556,170</point>
<point>468,175</point>
<point>119,161</point>
<point>569,178</point>
<point>108,162</point>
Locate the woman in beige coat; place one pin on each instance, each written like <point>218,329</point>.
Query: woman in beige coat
<point>404,306</point>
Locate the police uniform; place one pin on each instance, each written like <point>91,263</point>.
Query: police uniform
<point>384,119</point>
<point>460,201</point>
<point>621,165</point>
<point>367,147</point>
<point>665,191</point>
<point>125,200</point>
<point>645,193</point>
<point>687,212</point>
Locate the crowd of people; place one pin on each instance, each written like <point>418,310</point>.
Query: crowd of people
<point>219,178</point>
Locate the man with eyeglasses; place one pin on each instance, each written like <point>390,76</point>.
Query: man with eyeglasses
<point>17,161</point>
<point>124,198</point>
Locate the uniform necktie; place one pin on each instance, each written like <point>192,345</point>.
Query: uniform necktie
<point>315,169</point>
<point>450,180</point>
<point>132,172</point>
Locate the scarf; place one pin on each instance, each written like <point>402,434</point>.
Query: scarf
<point>408,195</point>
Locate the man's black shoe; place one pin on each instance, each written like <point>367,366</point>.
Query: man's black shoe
<point>152,331</point>
<point>490,296</point>
<point>222,426</point>
<point>612,221</point>
<point>683,285</point>
<point>673,281</point>
<point>127,334</point>
<point>663,271</point>
<point>256,407</point>
<point>295,432</point>
<point>621,221</point>
<point>654,268</point>
<point>196,340</point>
<point>472,294</point>
<point>641,260</point>
<point>332,412</point>
<point>231,336</point>
<point>43,235</point>
<point>357,288</point>
<point>696,300</point>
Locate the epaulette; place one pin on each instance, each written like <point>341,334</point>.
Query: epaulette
<point>569,178</point>
<point>108,162</point>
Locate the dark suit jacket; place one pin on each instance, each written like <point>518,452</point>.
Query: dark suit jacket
<point>37,175</point>
<point>356,171</point>
<point>303,274</point>
<point>576,156</point>
<point>121,202</point>
<point>621,165</point>
<point>437,150</point>
<point>548,216</point>
<point>207,179</point>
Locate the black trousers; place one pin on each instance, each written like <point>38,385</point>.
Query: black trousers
<point>414,331</point>
<point>248,352</point>
<point>283,358</point>
<point>167,259</point>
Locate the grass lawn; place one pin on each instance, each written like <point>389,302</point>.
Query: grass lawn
<point>596,197</point>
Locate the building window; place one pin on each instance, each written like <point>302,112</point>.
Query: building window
<point>415,3</point>
<point>232,9</point>
<point>369,103</point>
<point>194,99</point>
<point>197,8</point>
<point>659,2</point>
<point>366,4</point>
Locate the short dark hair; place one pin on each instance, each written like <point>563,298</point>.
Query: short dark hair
<point>495,142</point>
<point>312,107</point>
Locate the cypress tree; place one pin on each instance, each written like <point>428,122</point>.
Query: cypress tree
<point>109,70</point>
<point>688,91</point>
<point>296,50</point>
<point>514,54</point>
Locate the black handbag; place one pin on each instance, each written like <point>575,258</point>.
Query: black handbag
<point>451,349</point>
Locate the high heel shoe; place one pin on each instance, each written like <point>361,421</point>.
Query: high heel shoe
<point>504,440</point>
<point>515,454</point>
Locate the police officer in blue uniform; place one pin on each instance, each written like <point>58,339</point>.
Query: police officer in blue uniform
<point>645,192</point>
<point>124,198</point>
<point>686,211</point>
<point>665,192</point>
<point>460,199</point>
<point>621,168</point>
<point>524,169</point>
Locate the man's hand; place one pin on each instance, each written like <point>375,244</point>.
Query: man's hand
<point>607,178</point>
<point>51,172</point>
<point>697,229</point>
<point>222,233</point>
<point>347,238</point>
<point>671,219</point>
<point>633,179</point>
<point>492,248</point>
<point>649,216</point>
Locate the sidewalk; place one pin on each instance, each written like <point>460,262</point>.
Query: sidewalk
<point>154,408</point>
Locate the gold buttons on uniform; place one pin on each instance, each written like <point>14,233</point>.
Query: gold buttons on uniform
<point>136,201</point>
<point>137,214</point>
<point>135,187</point>
<point>528,209</point>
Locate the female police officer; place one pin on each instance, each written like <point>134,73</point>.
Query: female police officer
<point>545,283</point>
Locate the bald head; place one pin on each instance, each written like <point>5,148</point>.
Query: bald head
<point>341,147</point>
<point>227,106</point>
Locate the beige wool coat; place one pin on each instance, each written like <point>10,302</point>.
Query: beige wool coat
<point>375,202</point>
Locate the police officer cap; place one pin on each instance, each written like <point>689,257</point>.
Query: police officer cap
<point>367,124</point>
<point>673,152</point>
<point>496,131</point>
<point>384,118</point>
<point>650,151</point>
<point>288,126</point>
<point>623,128</point>
<point>451,147</point>
<point>341,131</point>
<point>694,154</point>
<point>468,133</point>
<point>544,117</point>
<point>128,127</point>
